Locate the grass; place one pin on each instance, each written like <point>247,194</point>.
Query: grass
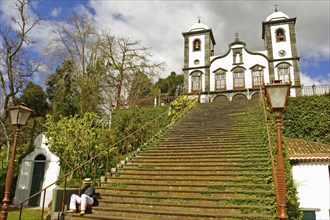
<point>27,213</point>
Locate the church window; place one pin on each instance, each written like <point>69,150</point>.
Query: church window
<point>197,45</point>
<point>238,79</point>
<point>220,81</point>
<point>280,35</point>
<point>196,81</point>
<point>284,73</point>
<point>257,76</point>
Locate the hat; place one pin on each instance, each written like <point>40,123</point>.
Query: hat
<point>87,180</point>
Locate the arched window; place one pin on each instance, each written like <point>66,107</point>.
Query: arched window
<point>197,45</point>
<point>280,35</point>
<point>284,72</point>
<point>220,79</point>
<point>196,81</point>
<point>257,75</point>
<point>238,75</point>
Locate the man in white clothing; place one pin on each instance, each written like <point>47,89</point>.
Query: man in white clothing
<point>87,198</point>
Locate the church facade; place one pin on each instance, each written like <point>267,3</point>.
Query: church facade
<point>239,73</point>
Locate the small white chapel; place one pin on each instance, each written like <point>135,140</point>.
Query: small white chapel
<point>238,73</point>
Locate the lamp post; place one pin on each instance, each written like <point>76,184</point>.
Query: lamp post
<point>18,116</point>
<point>277,94</point>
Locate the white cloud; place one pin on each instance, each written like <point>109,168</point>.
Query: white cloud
<point>56,11</point>
<point>309,81</point>
<point>159,24</point>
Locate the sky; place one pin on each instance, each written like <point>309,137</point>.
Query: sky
<point>159,26</point>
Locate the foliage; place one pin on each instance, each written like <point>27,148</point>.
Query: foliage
<point>60,91</point>
<point>35,98</point>
<point>125,58</point>
<point>172,85</point>
<point>181,106</point>
<point>141,87</point>
<point>87,94</point>
<point>125,122</point>
<point>75,140</point>
<point>308,117</point>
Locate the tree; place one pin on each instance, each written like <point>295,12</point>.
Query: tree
<point>141,88</point>
<point>74,40</point>
<point>172,85</point>
<point>35,98</point>
<point>60,91</point>
<point>17,64</point>
<point>125,59</point>
<point>88,96</point>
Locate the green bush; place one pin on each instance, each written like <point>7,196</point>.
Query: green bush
<point>181,106</point>
<point>308,117</point>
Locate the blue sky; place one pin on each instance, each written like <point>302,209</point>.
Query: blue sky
<point>159,26</point>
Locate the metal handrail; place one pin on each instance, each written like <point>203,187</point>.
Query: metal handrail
<point>270,145</point>
<point>82,165</point>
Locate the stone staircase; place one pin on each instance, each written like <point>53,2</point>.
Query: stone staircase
<point>212,164</point>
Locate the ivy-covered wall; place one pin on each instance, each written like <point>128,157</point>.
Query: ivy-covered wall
<point>308,118</point>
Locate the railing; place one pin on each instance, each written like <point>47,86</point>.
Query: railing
<point>160,122</point>
<point>315,90</point>
<point>147,102</point>
<point>270,144</point>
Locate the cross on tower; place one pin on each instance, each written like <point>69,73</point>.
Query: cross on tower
<point>199,19</point>
<point>276,5</point>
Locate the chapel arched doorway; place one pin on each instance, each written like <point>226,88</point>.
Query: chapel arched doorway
<point>37,179</point>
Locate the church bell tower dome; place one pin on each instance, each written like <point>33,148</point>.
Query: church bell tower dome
<point>277,15</point>
<point>199,27</point>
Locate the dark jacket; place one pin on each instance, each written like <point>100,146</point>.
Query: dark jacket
<point>88,190</point>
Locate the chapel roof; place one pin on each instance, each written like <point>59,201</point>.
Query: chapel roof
<point>306,151</point>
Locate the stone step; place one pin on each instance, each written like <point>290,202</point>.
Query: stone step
<point>189,178</point>
<point>201,161</point>
<point>98,216</point>
<point>165,214</point>
<point>189,199</point>
<point>212,144</point>
<point>210,141</point>
<point>228,190</point>
<point>202,152</point>
<point>181,204</point>
<point>205,155</point>
<point>217,148</point>
<point>195,168</point>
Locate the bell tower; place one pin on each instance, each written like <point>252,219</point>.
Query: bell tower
<point>198,48</point>
<point>279,35</point>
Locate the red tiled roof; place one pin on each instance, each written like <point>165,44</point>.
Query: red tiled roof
<point>307,151</point>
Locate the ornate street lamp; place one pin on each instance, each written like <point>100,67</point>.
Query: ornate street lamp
<point>277,94</point>
<point>19,116</point>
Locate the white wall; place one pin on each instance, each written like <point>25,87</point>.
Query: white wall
<point>313,187</point>
<point>249,61</point>
<point>52,170</point>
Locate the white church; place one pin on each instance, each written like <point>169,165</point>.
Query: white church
<point>238,73</point>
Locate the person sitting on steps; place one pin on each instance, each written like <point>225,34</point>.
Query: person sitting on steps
<point>87,198</point>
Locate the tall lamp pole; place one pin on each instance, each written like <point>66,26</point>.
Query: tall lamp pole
<point>277,94</point>
<point>19,115</point>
